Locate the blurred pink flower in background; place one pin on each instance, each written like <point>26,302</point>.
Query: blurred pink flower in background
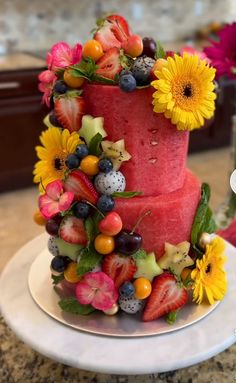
<point>192,51</point>
<point>222,53</point>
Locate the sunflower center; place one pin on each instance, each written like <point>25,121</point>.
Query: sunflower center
<point>188,90</point>
<point>58,163</point>
<point>208,268</point>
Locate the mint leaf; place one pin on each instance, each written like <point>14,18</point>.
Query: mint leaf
<point>90,230</point>
<point>97,217</point>
<point>103,80</point>
<point>71,305</point>
<point>203,221</point>
<point>94,145</point>
<point>89,259</point>
<point>140,254</point>
<point>171,317</point>
<point>57,278</point>
<point>160,52</point>
<point>126,194</point>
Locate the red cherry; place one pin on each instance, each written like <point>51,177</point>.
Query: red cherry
<point>133,46</point>
<point>111,224</point>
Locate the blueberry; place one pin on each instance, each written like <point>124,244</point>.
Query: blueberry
<point>53,119</point>
<point>141,69</point>
<point>105,165</point>
<point>60,87</point>
<point>82,151</point>
<point>125,71</point>
<point>72,161</point>
<point>127,289</point>
<point>59,263</point>
<point>127,83</point>
<point>105,203</point>
<point>82,210</point>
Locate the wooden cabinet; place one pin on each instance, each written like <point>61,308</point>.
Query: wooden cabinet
<point>21,114</point>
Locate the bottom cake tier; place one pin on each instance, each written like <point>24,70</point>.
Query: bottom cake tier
<point>171,216</point>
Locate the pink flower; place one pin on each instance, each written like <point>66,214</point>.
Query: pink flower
<point>61,56</point>
<point>192,51</point>
<point>223,52</point>
<point>55,200</point>
<point>47,80</point>
<point>98,290</point>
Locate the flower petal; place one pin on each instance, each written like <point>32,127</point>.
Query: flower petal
<point>84,293</point>
<point>54,190</point>
<point>47,206</point>
<point>66,200</point>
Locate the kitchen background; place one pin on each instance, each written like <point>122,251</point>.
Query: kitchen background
<point>27,30</point>
<point>36,25</point>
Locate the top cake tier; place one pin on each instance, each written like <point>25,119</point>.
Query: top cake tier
<point>158,149</point>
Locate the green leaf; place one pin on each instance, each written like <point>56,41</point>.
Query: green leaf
<point>160,51</point>
<point>95,145</point>
<point>203,221</point>
<point>103,80</point>
<point>89,259</point>
<point>198,251</point>
<point>171,317</point>
<point>89,227</point>
<point>126,194</point>
<point>71,305</point>
<point>97,217</point>
<point>57,278</point>
<point>140,254</point>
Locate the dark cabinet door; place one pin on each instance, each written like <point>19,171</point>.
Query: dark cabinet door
<point>20,127</point>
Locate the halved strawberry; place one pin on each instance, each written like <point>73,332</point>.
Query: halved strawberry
<point>112,32</point>
<point>72,231</point>
<point>166,296</point>
<point>69,111</point>
<point>119,268</point>
<point>109,64</point>
<point>78,183</point>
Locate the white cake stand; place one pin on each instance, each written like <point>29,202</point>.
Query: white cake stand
<point>161,353</point>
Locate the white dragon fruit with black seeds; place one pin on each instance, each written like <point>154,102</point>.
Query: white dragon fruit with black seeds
<point>52,246</point>
<point>141,69</point>
<point>109,183</point>
<point>131,305</point>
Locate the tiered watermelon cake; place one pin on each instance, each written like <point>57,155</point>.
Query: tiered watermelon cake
<point>129,224</point>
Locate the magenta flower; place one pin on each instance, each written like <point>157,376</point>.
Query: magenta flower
<point>222,53</point>
<point>98,290</point>
<point>55,200</point>
<point>47,80</point>
<point>192,51</point>
<point>61,56</point>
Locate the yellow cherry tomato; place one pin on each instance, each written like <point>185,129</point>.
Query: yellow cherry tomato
<point>70,273</point>
<point>89,165</point>
<point>39,219</point>
<point>72,81</point>
<point>143,288</point>
<point>104,244</point>
<point>186,273</point>
<point>93,49</point>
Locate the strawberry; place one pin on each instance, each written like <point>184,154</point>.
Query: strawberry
<point>81,186</point>
<point>69,111</point>
<point>119,268</point>
<point>72,231</point>
<point>166,296</point>
<point>109,64</point>
<point>113,31</point>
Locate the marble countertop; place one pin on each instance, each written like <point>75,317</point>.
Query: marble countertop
<point>19,61</point>
<point>19,363</point>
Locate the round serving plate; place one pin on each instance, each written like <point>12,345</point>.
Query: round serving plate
<point>122,324</point>
<point>109,354</point>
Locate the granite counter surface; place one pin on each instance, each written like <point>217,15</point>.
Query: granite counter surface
<point>20,364</point>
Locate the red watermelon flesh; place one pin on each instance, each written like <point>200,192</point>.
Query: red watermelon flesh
<point>158,150</point>
<point>171,216</point>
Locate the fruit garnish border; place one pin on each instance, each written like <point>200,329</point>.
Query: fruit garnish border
<point>98,262</point>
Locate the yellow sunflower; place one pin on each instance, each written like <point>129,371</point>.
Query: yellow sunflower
<point>57,144</point>
<point>209,277</point>
<point>185,91</point>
